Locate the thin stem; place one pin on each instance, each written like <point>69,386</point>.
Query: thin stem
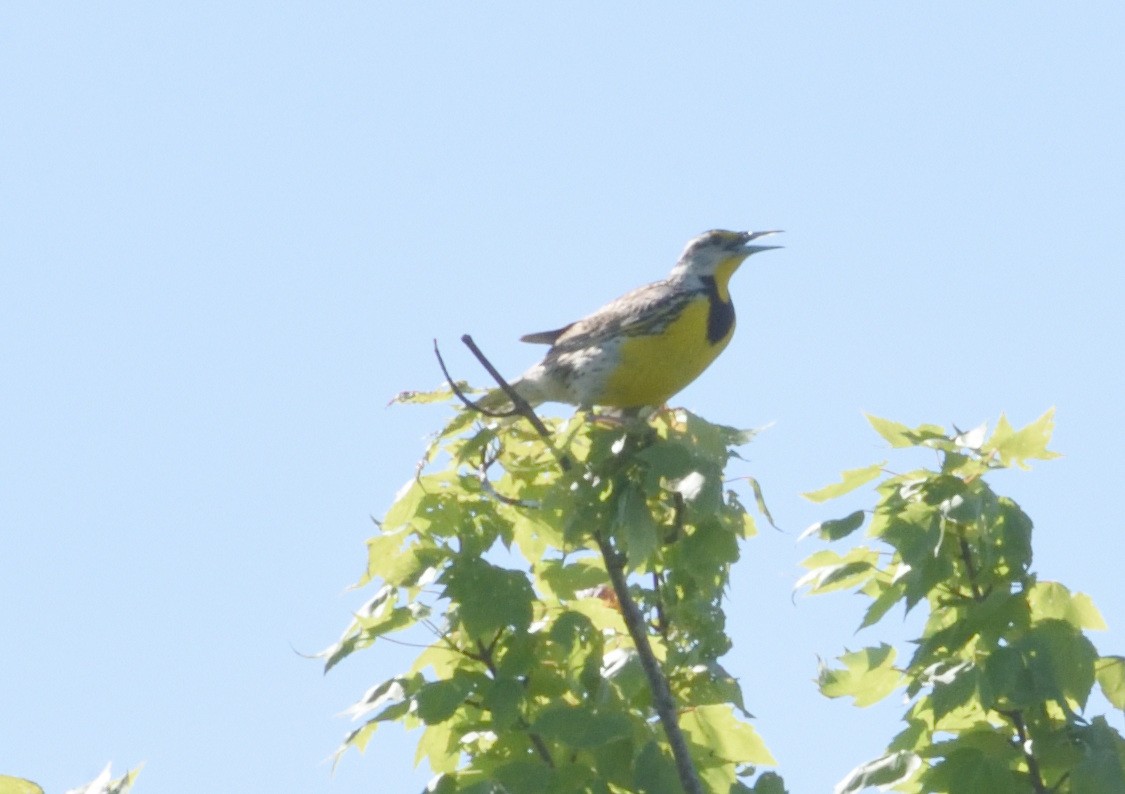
<point>1037,783</point>
<point>661,618</point>
<point>970,567</point>
<point>536,740</point>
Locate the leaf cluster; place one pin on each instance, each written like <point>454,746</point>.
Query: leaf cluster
<point>496,561</point>
<point>1000,677</point>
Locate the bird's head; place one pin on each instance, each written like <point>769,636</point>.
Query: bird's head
<point>717,254</point>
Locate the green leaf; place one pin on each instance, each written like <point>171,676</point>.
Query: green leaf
<point>437,701</point>
<point>769,783</point>
<point>719,737</point>
<point>954,685</point>
<point>388,700</point>
<point>1102,768</point>
<point>868,676</point>
<point>889,595</point>
<point>17,785</point>
<point>668,459</point>
<point>760,500</point>
<point>849,481</point>
<point>896,433</point>
<point>1061,654</point>
<point>440,743</point>
<point>1053,661</point>
<point>488,598</point>
<point>441,395</point>
<point>504,699</point>
<point>1110,672</point>
<point>738,519</point>
<point>637,528</point>
<point>830,571</point>
<point>973,769</point>
<point>1016,447</point>
<point>357,739</point>
<point>706,550</point>
<point>1054,600</point>
<point>654,772</point>
<point>565,578</point>
<point>580,727</point>
<point>899,435</point>
<point>405,506</point>
<point>836,528</point>
<point>524,776</point>
<point>710,684</point>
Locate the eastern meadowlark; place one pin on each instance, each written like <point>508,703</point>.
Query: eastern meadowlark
<point>648,344</point>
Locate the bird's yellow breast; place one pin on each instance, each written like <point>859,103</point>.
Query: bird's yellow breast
<point>652,368</point>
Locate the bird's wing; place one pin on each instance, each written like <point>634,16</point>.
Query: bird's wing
<point>630,312</point>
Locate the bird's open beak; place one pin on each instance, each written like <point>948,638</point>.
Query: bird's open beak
<point>755,249</point>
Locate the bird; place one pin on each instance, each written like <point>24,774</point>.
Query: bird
<point>642,348</point>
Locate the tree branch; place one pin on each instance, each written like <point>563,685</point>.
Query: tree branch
<point>662,699</point>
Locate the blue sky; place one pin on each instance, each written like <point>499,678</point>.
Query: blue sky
<point>231,231</point>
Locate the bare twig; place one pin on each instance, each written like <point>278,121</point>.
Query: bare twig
<point>521,406</point>
<point>472,405</point>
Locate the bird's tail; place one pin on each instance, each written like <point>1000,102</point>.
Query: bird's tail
<point>499,401</point>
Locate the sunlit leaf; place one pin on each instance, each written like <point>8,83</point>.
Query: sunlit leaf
<point>1053,600</point>
<point>849,481</point>
<point>1016,447</point>
<point>443,394</point>
<point>1110,671</point>
<point>831,571</point>
<point>896,433</point>
<point>719,736</point>
<point>440,745</point>
<point>899,435</point>
<point>868,676</point>
<point>889,595</point>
